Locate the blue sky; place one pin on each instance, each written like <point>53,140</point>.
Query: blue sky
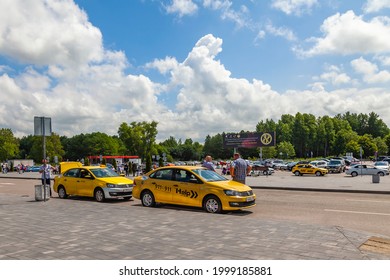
<point>197,67</point>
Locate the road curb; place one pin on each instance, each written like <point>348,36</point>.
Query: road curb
<point>319,190</point>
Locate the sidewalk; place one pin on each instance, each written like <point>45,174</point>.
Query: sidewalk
<point>285,180</point>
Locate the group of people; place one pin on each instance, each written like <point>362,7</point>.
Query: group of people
<point>4,168</point>
<point>239,168</point>
<point>130,167</point>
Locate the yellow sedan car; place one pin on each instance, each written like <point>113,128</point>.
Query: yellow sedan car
<point>192,186</point>
<point>99,182</point>
<point>301,169</point>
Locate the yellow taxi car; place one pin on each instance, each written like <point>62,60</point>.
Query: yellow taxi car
<point>99,182</point>
<point>192,186</point>
<point>301,169</point>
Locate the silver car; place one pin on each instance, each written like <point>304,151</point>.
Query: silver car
<point>382,165</point>
<point>363,169</point>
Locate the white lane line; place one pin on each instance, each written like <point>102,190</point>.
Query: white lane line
<point>7,184</point>
<point>367,200</point>
<point>357,212</point>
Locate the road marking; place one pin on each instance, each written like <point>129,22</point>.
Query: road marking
<point>7,184</point>
<point>367,200</point>
<point>357,212</point>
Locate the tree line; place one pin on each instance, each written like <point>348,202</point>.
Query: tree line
<point>297,136</point>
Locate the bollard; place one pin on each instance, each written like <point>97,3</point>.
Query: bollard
<point>375,178</point>
<point>40,193</point>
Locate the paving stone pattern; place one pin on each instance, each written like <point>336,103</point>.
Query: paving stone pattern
<point>82,229</point>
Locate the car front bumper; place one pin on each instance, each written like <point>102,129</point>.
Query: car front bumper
<point>118,192</point>
<point>236,202</point>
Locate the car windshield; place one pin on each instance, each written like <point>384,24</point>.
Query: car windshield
<point>104,172</point>
<point>208,175</point>
<point>335,162</point>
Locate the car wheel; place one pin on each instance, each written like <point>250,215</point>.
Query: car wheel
<point>354,174</point>
<point>147,199</point>
<point>265,172</point>
<point>381,174</point>
<point>297,173</point>
<point>62,192</point>
<point>99,195</point>
<point>318,173</point>
<point>212,204</point>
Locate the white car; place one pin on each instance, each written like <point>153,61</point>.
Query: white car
<point>382,165</point>
<point>319,163</point>
<point>363,169</point>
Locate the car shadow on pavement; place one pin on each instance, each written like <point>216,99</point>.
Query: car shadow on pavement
<point>194,209</point>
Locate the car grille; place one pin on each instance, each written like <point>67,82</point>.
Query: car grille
<point>120,193</point>
<point>123,186</point>
<point>242,204</point>
<point>246,193</point>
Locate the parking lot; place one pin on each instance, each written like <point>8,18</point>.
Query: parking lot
<point>80,228</point>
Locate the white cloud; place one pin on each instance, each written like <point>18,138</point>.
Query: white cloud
<point>182,7</point>
<point>94,92</point>
<point>335,76</point>
<point>36,24</point>
<point>370,71</point>
<point>350,34</point>
<point>373,6</point>
<point>240,17</point>
<point>283,32</point>
<point>296,7</point>
<point>384,60</point>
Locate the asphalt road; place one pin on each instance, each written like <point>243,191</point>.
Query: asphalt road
<point>285,224</point>
<point>358,211</point>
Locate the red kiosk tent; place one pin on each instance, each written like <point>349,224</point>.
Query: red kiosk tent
<point>119,159</point>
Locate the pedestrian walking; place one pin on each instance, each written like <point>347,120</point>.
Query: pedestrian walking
<point>45,171</point>
<point>239,169</point>
<point>208,163</point>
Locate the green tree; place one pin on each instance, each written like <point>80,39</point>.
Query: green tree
<point>284,129</point>
<point>53,148</point>
<point>326,136</point>
<point>213,146</point>
<point>300,135</point>
<point>286,149</point>
<point>368,145</point>
<point>9,145</point>
<point>353,147</point>
<point>139,138</point>
<point>25,145</point>
<point>381,146</point>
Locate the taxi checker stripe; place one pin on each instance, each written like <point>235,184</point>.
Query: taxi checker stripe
<point>194,194</point>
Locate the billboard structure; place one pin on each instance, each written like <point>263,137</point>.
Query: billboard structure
<point>249,139</point>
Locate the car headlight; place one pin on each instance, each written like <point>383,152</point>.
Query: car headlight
<point>111,186</point>
<point>232,193</point>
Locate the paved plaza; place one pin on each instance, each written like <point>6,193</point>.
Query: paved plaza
<point>80,228</point>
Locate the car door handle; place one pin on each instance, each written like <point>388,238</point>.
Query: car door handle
<point>175,185</point>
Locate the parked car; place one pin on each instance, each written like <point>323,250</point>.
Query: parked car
<point>91,181</point>
<point>336,165</point>
<point>301,169</point>
<point>34,168</point>
<point>319,163</point>
<point>290,165</point>
<point>192,186</point>
<point>382,165</point>
<point>277,164</point>
<point>363,169</point>
<point>258,169</point>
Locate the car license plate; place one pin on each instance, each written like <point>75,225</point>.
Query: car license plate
<point>250,198</point>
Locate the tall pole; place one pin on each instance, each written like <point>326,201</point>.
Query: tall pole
<point>44,157</point>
